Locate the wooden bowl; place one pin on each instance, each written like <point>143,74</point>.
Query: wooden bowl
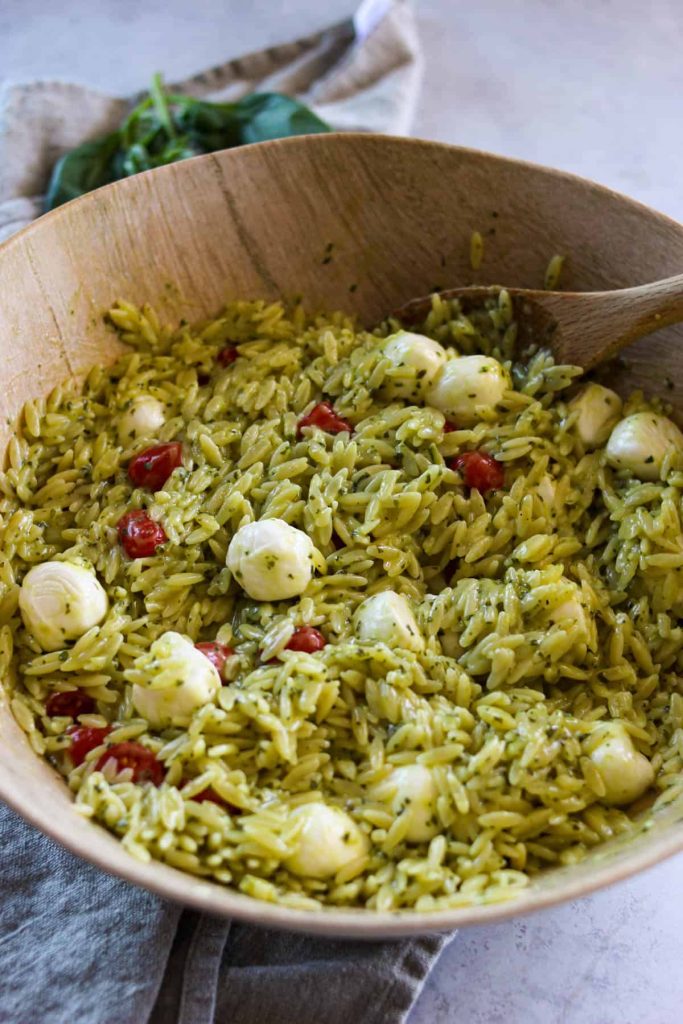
<point>348,221</point>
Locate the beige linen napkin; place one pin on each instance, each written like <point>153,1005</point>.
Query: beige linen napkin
<point>362,74</point>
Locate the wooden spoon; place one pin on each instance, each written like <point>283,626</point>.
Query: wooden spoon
<point>581,328</point>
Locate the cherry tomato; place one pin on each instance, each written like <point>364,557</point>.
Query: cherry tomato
<point>217,653</point>
<point>85,738</point>
<point>139,534</point>
<point>71,703</point>
<point>448,428</point>
<point>142,761</point>
<point>480,471</point>
<point>208,796</point>
<point>323,415</point>
<point>227,355</point>
<point>152,468</point>
<point>307,639</point>
<point>211,796</point>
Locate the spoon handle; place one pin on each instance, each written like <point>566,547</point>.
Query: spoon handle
<point>596,325</point>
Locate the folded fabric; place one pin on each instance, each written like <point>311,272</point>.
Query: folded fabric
<point>76,944</point>
<point>359,75</point>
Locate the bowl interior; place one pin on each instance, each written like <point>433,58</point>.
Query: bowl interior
<point>361,223</point>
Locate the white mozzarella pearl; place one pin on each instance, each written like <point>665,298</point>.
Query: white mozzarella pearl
<point>597,409</point>
<point>192,682</point>
<point>625,772</point>
<point>640,442</point>
<point>271,560</point>
<point>467,385</point>
<point>412,791</point>
<point>328,840</point>
<point>388,618</point>
<point>60,601</point>
<point>420,356</point>
<point>144,418</point>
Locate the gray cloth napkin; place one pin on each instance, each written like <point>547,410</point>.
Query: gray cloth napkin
<point>80,947</point>
<point>76,944</point>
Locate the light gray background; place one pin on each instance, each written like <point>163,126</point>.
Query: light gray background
<point>591,86</point>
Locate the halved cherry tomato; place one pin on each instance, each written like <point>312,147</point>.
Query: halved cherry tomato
<point>323,416</point>
<point>70,703</point>
<point>211,796</point>
<point>139,759</point>
<point>85,738</point>
<point>139,534</point>
<point>217,653</point>
<point>208,796</point>
<point>153,467</point>
<point>307,639</point>
<point>227,355</point>
<point>480,471</point>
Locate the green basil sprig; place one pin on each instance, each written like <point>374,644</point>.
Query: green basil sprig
<point>164,128</point>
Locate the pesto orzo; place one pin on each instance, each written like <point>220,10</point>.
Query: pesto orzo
<point>336,619</point>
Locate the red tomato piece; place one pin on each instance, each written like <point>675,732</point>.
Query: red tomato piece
<point>227,355</point>
<point>139,759</point>
<point>480,471</point>
<point>71,703</point>
<point>448,428</point>
<point>152,468</point>
<point>211,796</point>
<point>85,738</point>
<point>217,653</point>
<point>307,639</point>
<point>208,795</point>
<point>139,534</point>
<point>323,416</point>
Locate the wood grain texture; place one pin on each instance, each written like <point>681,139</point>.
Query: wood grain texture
<point>581,328</point>
<point>258,221</point>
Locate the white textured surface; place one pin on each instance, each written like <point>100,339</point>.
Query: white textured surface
<point>591,87</point>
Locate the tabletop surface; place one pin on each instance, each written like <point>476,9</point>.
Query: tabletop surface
<point>590,86</point>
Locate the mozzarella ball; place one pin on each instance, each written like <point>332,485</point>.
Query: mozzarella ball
<point>597,410</point>
<point>573,613</point>
<point>640,442</point>
<point>60,601</point>
<point>467,385</point>
<point>625,772</point>
<point>271,560</point>
<point>144,418</point>
<point>412,791</point>
<point>546,488</point>
<point>387,617</point>
<point>329,840</point>
<point>418,354</point>
<point>192,682</point>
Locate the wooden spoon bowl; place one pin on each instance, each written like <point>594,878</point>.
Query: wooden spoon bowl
<point>349,221</point>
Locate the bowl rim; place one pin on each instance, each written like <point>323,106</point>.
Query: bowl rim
<point>209,896</point>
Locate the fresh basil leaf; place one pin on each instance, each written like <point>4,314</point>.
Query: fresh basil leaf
<point>161,108</point>
<point>142,127</point>
<point>165,128</point>
<point>270,115</point>
<point>83,169</point>
<point>211,125</point>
